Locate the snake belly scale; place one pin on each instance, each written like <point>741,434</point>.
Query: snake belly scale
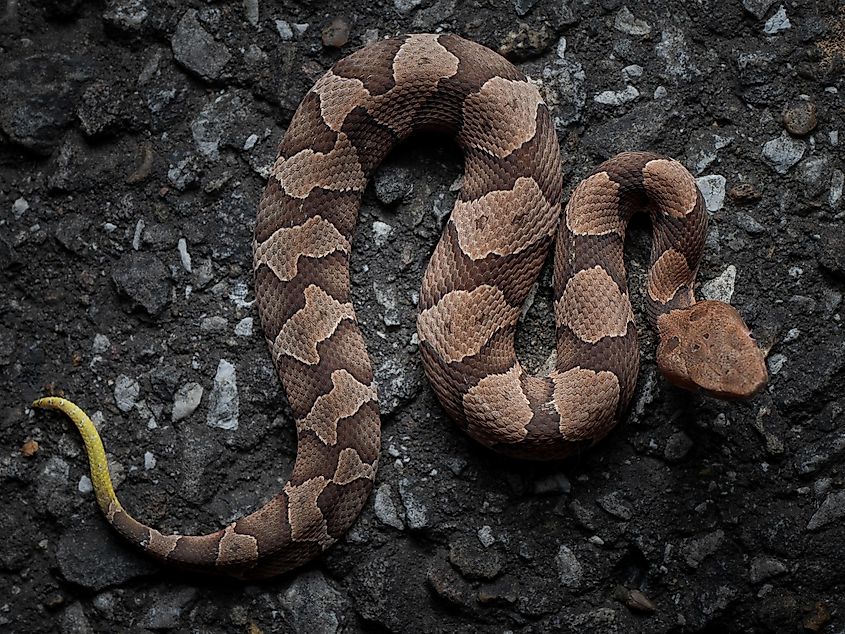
<point>489,256</point>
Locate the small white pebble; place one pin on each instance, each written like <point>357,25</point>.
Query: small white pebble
<point>485,536</point>
<point>19,207</point>
<point>184,256</point>
<point>775,363</point>
<point>139,231</point>
<point>285,32</point>
<point>381,232</point>
<point>250,142</point>
<point>244,327</point>
<point>149,461</point>
<point>101,343</point>
<point>632,72</point>
<point>85,485</point>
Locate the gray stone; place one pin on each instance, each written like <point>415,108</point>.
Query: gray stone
<point>223,401</point>
<point>251,11</point>
<point>778,23</point>
<point>416,511</point>
<point>381,232</point>
<point>814,174</point>
<point>53,480</point>
<point>101,344</point>
<point>615,504</point>
<point>336,34</point>
<point>677,55</point>
<point>473,560</point>
<point>393,184</point>
<point>99,110</point>
<point>92,556</point>
<point>713,190</point>
<point>144,279</point>
<point>641,127</point>
<point>523,7</point>
<point>74,620</point>
<point>126,15</point>
<point>837,185</point>
<point>703,148</point>
<point>831,510</point>
<point>183,171</point>
<point>625,22</point>
<point>406,6</point>
<point>311,604</point>
<point>386,296</point>
<point>20,207</point>
<point>167,609</point>
<point>749,224</point>
<point>677,447</point>
<point>764,567</point>
<point>220,123</point>
<point>186,400</point>
<point>783,152</point>
<point>720,288</point>
<point>126,390</point>
<point>244,327</point>
<point>184,255</point>
<point>399,380</point>
<point>485,536</point>
<point>815,456</point>
<point>564,88</point>
<point>197,50</point>
<point>39,96</point>
<point>284,30</point>
<point>553,484</point>
<point>832,253</point>
<point>569,568</point>
<point>449,586</point>
<point>385,507</point>
<point>696,549</point>
<point>757,8</point>
<point>756,71</point>
<point>214,323</point>
<point>617,97</point>
<point>775,363</point>
<point>632,71</point>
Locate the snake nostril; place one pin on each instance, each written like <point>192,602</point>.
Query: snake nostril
<point>696,347</point>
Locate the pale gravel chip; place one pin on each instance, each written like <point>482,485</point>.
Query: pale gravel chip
<point>720,288</point>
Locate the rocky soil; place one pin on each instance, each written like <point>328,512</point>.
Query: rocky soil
<point>135,139</point>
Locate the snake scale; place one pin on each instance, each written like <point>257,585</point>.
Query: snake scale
<point>489,256</point>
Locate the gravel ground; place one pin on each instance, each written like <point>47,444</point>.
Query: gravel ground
<point>135,138</point>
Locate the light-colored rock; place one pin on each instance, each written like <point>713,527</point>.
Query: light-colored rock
<point>720,288</point>
<point>126,391</point>
<point>186,400</point>
<point>223,402</point>
<point>712,188</point>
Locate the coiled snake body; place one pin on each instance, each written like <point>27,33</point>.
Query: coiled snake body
<point>488,258</point>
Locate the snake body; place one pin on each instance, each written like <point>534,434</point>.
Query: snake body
<point>481,272</point>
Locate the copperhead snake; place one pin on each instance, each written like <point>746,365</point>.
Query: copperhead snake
<point>489,256</point>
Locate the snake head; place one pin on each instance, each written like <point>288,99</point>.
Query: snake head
<point>708,347</point>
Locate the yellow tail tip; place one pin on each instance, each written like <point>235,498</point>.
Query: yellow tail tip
<point>100,478</point>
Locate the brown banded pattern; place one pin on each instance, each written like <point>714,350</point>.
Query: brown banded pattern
<point>489,256</point>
